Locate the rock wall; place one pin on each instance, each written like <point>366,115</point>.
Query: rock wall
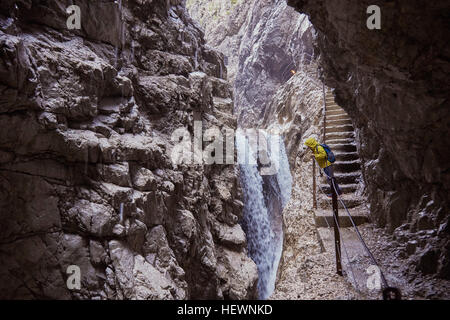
<point>263,41</point>
<point>86,176</point>
<point>295,108</point>
<point>222,21</point>
<point>394,84</point>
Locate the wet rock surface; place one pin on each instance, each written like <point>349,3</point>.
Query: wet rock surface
<point>393,83</point>
<point>263,41</point>
<point>86,177</point>
<point>295,109</point>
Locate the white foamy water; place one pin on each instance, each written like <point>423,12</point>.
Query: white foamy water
<point>284,174</point>
<point>264,245</point>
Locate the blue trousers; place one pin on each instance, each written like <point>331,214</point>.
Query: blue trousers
<point>330,176</point>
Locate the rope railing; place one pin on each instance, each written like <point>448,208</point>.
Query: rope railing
<point>383,278</point>
<point>389,293</point>
<point>343,244</point>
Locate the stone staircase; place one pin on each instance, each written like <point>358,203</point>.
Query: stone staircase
<point>340,137</point>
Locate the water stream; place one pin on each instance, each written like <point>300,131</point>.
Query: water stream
<point>264,198</point>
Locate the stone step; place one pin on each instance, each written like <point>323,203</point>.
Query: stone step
<point>338,122</point>
<point>342,147</point>
<point>345,140</point>
<point>350,201</point>
<point>336,113</point>
<point>347,166</point>
<point>324,218</point>
<point>339,128</point>
<point>347,177</point>
<point>339,135</point>
<point>346,156</point>
<point>340,117</point>
<point>354,259</point>
<point>345,188</point>
<point>334,108</point>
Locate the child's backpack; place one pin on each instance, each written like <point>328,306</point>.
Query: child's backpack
<point>330,154</point>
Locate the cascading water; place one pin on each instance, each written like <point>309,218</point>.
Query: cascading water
<point>260,221</point>
<point>284,174</point>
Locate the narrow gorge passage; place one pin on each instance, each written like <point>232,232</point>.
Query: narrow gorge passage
<point>156,150</point>
<point>278,87</point>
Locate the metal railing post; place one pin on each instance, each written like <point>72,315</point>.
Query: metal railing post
<point>337,237</point>
<point>314,184</point>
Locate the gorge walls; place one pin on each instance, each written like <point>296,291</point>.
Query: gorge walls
<point>393,82</point>
<point>263,40</point>
<point>86,175</point>
<point>265,43</point>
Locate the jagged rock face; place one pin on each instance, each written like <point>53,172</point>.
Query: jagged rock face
<point>222,21</point>
<point>394,84</point>
<point>263,40</point>
<point>86,176</point>
<point>296,107</point>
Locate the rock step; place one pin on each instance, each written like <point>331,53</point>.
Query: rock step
<point>349,199</point>
<point>324,218</point>
<point>346,188</point>
<point>331,103</point>
<point>346,156</point>
<point>347,177</point>
<point>339,128</point>
<point>331,110</point>
<point>338,122</point>
<point>334,108</point>
<point>354,272</point>
<point>339,135</point>
<point>341,117</point>
<point>347,166</point>
<point>345,140</point>
<point>342,147</point>
<point>336,113</point>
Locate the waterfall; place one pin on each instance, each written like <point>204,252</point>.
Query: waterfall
<point>121,212</point>
<point>284,175</point>
<point>261,220</point>
<point>196,57</point>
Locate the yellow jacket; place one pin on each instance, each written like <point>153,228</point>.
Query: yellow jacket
<point>319,152</point>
